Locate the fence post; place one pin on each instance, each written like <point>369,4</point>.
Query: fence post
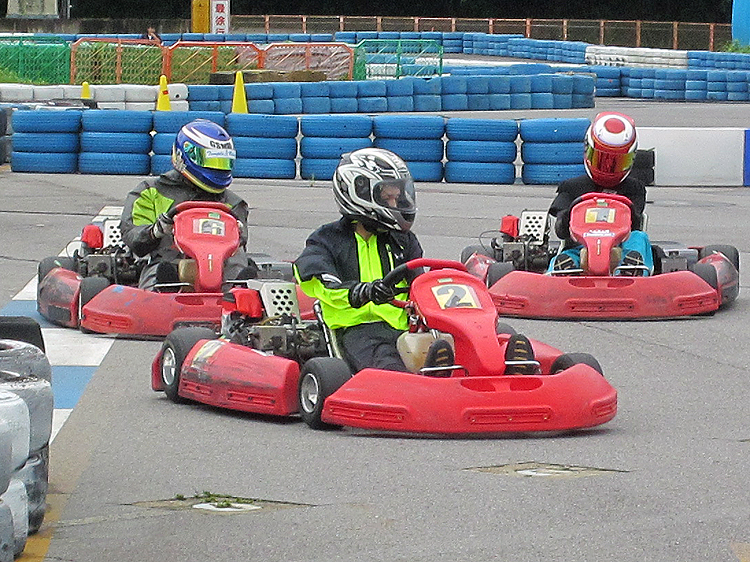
<point>638,33</point>
<point>711,28</point>
<point>379,23</point>
<point>674,35</point>
<point>601,32</point>
<point>341,23</point>
<point>304,24</point>
<point>528,28</point>
<point>453,25</point>
<point>565,29</point>
<point>491,27</point>
<point>267,24</point>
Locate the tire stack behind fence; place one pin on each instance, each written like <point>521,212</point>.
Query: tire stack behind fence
<point>418,139</point>
<point>166,125</point>
<point>45,141</point>
<point>552,149</point>
<point>266,145</point>
<point>481,151</point>
<point>326,138</point>
<point>115,142</point>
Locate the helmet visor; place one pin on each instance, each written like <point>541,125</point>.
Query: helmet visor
<point>609,162</point>
<point>397,194</point>
<point>214,158</point>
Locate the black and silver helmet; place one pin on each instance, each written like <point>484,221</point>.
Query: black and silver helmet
<point>375,184</point>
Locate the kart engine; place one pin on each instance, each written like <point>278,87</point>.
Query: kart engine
<point>113,262</point>
<point>526,252</point>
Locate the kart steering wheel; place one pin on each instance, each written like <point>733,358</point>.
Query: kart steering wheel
<point>398,273</point>
<point>187,205</point>
<point>599,195</point>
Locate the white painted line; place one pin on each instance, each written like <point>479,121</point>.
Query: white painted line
<point>69,347</point>
<point>28,293</point>
<point>59,416</point>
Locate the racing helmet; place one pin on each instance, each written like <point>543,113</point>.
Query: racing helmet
<point>375,185</point>
<point>610,148</point>
<point>204,154</point>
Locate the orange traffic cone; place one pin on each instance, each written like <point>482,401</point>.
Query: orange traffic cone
<point>239,98</point>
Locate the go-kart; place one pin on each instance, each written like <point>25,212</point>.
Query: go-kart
<point>96,288</point>
<point>685,281</point>
<point>274,364</point>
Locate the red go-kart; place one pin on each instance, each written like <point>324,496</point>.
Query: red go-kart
<point>96,289</point>
<point>686,280</point>
<point>260,373</point>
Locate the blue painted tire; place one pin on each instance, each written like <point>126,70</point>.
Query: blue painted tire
<point>319,105</point>
<point>266,147</point>
<point>400,104</point>
<point>265,168</point>
<point>372,104</point>
<point>478,172</point>
<point>336,126</point>
<point>328,148</point>
<point>160,164</point>
<point>172,121</point>
<point>317,168</point>
<point>425,150</point>
<point>481,151</point>
<point>287,106</point>
<point>409,126</point>
<point>371,89</point>
<point>203,92</point>
<point>267,126</point>
<point>51,163</point>
<point>426,171</point>
<point>37,121</point>
<point>107,163</point>
<point>428,102</point>
<point>428,87</point>
<point>45,142</point>
<point>119,143</point>
<point>552,152</point>
<point>344,105</point>
<point>549,174</point>
<point>120,121</point>
<point>520,101</point>
<point>162,143</point>
<point>455,102</point>
<point>554,129</point>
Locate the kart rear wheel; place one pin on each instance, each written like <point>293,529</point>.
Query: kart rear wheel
<point>320,377</point>
<point>731,253</point>
<point>468,251</point>
<point>567,360</point>
<point>707,272</point>
<point>48,264</point>
<point>21,328</point>
<point>174,350</point>
<point>498,270</point>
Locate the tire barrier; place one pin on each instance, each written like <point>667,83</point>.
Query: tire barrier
<point>115,142</point>
<point>552,149</point>
<point>24,359</point>
<point>47,141</point>
<point>418,139</point>
<point>7,539</point>
<point>35,477</point>
<point>37,395</point>
<point>16,499</point>
<point>326,138</point>
<point>266,145</point>
<point>479,151</point>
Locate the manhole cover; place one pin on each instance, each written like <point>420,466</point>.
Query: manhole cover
<point>218,503</point>
<point>544,470</point>
<point>228,507</point>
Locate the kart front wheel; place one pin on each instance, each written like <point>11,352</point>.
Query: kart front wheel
<point>320,377</point>
<point>707,272</point>
<point>174,350</point>
<point>567,360</point>
<point>731,253</point>
<point>48,264</point>
<point>497,271</point>
<point>469,251</point>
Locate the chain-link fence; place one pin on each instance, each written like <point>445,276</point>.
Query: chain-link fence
<point>35,60</point>
<point>120,61</point>
<point>193,62</point>
<point>381,58</point>
<point>335,60</point>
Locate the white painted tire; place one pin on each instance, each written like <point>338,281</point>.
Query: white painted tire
<point>140,93</point>
<point>37,394</point>
<point>177,92</point>
<point>106,93</point>
<point>15,498</point>
<point>35,477</point>
<point>7,542</point>
<point>16,92</point>
<point>14,420</point>
<point>6,456</point>
<point>44,93</point>
<point>25,359</point>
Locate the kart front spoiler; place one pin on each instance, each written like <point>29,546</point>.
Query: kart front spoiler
<point>576,398</point>
<point>120,309</point>
<point>227,375</point>
<point>57,297</point>
<point>667,295</point>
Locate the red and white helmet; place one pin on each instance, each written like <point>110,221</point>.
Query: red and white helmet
<point>610,148</point>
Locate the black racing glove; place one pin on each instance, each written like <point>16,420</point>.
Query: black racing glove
<point>376,292</point>
<point>562,224</point>
<point>163,226</point>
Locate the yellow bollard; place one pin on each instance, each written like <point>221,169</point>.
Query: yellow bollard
<point>162,101</point>
<point>239,98</point>
<point>85,91</point>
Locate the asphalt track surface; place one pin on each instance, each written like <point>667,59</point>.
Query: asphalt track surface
<point>666,480</point>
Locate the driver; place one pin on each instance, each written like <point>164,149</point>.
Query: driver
<point>609,152</point>
<point>344,262</point>
<point>202,157</point>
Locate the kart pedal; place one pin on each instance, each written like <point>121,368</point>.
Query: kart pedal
<point>439,356</point>
<point>564,263</point>
<point>632,265</point>
<point>519,356</point>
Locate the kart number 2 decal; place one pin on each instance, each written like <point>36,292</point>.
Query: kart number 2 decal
<point>455,296</point>
<point>606,214</point>
<point>209,226</point>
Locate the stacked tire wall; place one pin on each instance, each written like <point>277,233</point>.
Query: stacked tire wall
<point>552,149</point>
<point>266,145</point>
<point>326,138</point>
<point>46,141</point>
<point>115,142</point>
<point>418,139</point>
<point>481,151</point>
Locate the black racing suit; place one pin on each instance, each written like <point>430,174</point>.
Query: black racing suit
<point>155,196</point>
<point>336,258</point>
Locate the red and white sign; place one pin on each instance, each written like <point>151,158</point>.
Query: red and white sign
<point>219,16</point>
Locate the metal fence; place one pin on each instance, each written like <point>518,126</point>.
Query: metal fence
<point>37,61</point>
<point>376,59</point>
<point>651,34</point>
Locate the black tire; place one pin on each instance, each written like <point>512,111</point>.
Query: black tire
<point>503,328</point>
<point>92,286</point>
<point>21,328</point>
<point>320,377</point>
<point>732,253</point>
<point>498,270</point>
<point>567,360</point>
<point>48,264</point>
<point>707,272</point>
<point>174,350</point>
<point>468,251</point>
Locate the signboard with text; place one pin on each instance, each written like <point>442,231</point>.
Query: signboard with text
<point>219,16</point>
